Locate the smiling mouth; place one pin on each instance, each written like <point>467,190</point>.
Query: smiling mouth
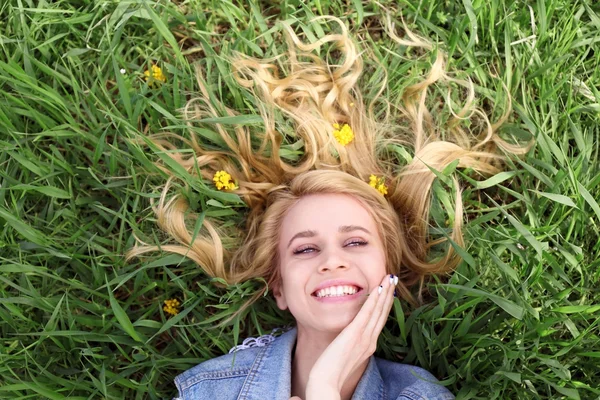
<point>337,291</point>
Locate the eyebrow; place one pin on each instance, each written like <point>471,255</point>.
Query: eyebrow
<point>341,229</point>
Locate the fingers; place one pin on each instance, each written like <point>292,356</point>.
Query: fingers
<point>385,310</point>
<point>382,309</point>
<point>373,314</point>
<point>371,305</point>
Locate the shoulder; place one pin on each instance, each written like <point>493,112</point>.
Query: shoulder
<point>243,371</point>
<point>407,382</point>
<point>234,368</point>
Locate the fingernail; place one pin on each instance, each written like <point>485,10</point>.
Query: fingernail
<point>391,279</point>
<point>395,280</point>
<point>379,289</point>
<point>395,294</point>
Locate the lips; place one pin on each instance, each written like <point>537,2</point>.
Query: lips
<point>335,282</point>
<point>340,299</point>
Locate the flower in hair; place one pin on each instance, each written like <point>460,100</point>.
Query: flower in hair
<point>224,181</point>
<point>379,184</point>
<point>154,74</point>
<point>171,306</point>
<point>343,134</point>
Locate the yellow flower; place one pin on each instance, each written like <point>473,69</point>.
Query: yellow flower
<point>171,306</point>
<point>154,75</point>
<point>379,184</point>
<point>343,135</point>
<point>224,181</point>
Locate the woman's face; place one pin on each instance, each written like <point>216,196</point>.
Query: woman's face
<point>328,241</point>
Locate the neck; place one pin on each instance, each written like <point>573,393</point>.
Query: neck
<point>309,347</point>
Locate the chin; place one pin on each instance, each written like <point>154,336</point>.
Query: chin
<point>335,329</point>
<point>336,325</point>
<point>330,323</point>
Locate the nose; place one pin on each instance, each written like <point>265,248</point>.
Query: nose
<point>334,260</point>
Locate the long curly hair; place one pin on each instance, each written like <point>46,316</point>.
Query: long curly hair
<point>312,94</point>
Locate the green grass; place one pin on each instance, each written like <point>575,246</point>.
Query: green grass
<point>519,318</point>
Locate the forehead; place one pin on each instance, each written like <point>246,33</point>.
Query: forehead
<point>325,213</point>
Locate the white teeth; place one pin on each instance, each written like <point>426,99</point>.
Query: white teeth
<point>336,291</point>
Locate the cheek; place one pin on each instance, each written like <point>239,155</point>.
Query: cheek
<point>383,260</point>
<point>379,261</point>
<point>378,255</point>
<point>296,282</point>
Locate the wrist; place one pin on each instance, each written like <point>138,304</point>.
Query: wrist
<point>321,391</point>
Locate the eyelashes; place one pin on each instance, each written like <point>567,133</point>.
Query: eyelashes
<point>355,243</point>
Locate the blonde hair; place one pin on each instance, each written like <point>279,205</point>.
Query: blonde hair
<point>314,95</point>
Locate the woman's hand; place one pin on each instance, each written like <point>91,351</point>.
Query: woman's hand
<point>353,346</point>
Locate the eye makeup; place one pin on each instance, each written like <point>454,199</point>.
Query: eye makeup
<point>303,249</point>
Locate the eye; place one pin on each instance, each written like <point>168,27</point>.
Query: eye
<point>303,250</point>
<point>357,242</point>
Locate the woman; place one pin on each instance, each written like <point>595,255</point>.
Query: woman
<point>333,233</point>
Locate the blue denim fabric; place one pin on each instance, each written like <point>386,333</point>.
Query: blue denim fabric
<point>264,373</point>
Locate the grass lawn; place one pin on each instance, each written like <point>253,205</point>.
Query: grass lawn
<point>520,317</point>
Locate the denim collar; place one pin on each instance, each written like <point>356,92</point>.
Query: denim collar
<point>272,374</point>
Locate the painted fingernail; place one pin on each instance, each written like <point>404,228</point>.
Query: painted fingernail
<point>395,280</point>
<point>395,294</point>
<point>391,279</point>
<point>379,289</point>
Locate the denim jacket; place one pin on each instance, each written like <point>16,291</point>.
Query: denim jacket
<point>264,373</point>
